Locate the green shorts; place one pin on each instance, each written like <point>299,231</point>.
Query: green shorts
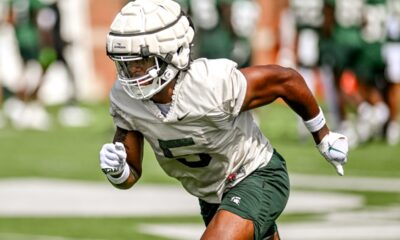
<point>261,197</point>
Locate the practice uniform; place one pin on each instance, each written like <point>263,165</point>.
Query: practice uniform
<point>206,143</point>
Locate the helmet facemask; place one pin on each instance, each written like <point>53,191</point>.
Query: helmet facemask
<point>142,77</point>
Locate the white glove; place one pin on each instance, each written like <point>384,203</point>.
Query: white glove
<point>334,148</point>
<point>113,158</point>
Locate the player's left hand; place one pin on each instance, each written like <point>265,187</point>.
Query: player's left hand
<point>334,147</point>
<point>113,158</point>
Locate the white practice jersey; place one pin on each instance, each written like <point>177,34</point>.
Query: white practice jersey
<point>204,141</point>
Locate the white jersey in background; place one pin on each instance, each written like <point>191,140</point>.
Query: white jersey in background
<point>202,141</point>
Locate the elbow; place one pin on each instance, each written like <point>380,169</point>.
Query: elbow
<point>291,81</point>
<point>293,87</point>
<point>292,76</point>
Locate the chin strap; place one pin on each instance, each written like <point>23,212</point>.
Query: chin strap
<point>165,63</point>
<point>170,73</point>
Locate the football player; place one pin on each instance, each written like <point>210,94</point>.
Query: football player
<point>26,109</point>
<point>370,67</point>
<point>195,115</point>
<point>342,48</point>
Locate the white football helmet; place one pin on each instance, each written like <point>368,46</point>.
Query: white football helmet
<point>150,42</point>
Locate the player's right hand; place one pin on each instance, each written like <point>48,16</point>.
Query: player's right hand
<point>113,158</point>
<point>334,147</point>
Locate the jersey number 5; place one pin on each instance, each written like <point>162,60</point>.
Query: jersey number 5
<point>175,143</point>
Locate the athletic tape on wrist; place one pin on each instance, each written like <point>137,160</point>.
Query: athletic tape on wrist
<point>124,176</point>
<point>316,123</point>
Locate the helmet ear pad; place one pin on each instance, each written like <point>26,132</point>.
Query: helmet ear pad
<point>181,58</point>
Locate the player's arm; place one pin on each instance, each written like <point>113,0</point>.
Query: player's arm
<point>121,160</point>
<point>267,83</point>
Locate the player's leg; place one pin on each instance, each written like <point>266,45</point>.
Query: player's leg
<point>380,109</point>
<point>370,72</point>
<point>229,226</point>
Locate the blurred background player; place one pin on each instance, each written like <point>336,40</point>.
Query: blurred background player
<point>341,44</point>
<point>25,110</point>
<point>53,51</point>
<point>370,68</point>
<point>37,25</point>
<point>391,53</point>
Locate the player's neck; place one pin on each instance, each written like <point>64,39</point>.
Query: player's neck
<point>165,95</point>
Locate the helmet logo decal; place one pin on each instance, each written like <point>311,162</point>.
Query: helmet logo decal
<point>119,45</point>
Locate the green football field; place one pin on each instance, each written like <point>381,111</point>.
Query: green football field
<point>72,154</point>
